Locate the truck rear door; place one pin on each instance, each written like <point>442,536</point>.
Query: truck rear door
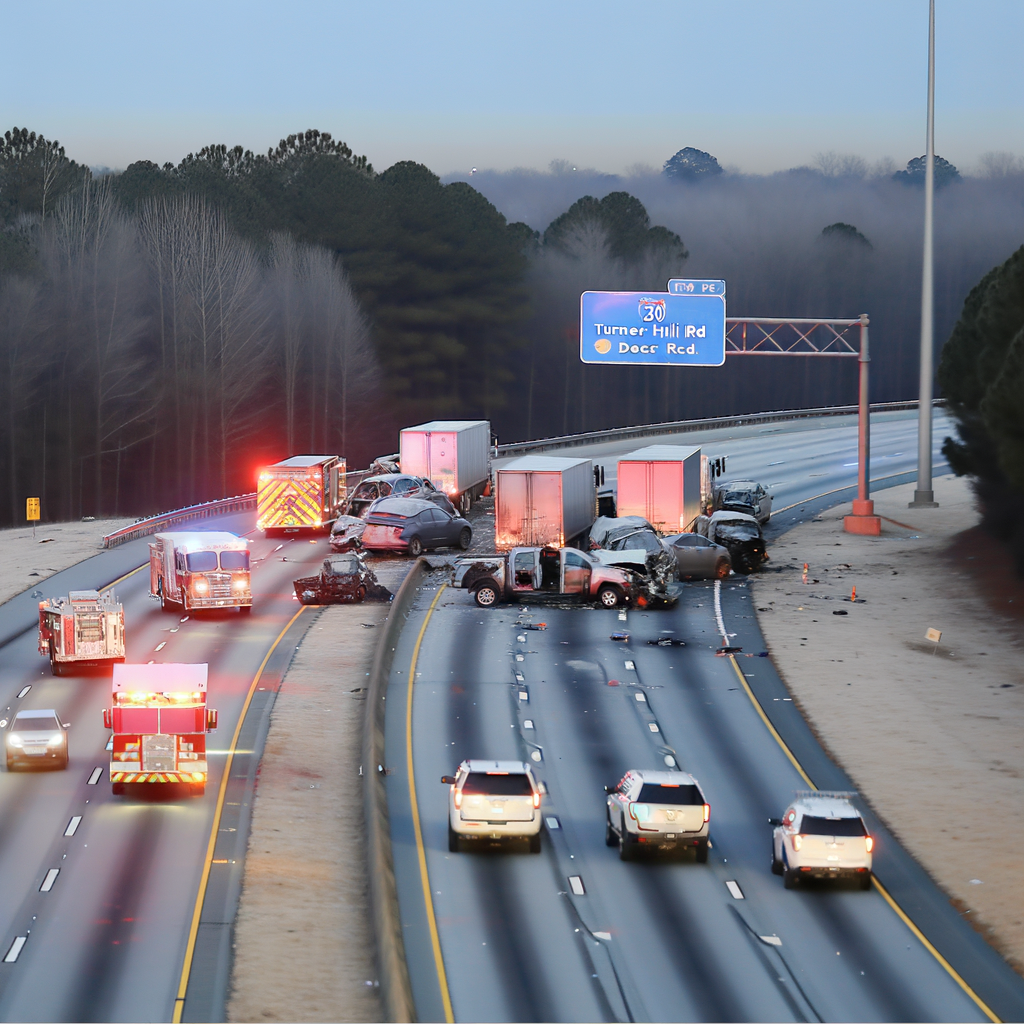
<point>441,462</point>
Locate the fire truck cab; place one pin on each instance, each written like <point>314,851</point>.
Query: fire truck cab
<point>305,492</point>
<point>159,720</point>
<point>193,571</point>
<point>85,628</point>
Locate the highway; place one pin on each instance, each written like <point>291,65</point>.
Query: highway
<point>503,935</point>
<point>108,940</point>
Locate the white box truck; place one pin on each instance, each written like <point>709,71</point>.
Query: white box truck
<point>454,455</point>
<point>543,501</point>
<point>661,483</point>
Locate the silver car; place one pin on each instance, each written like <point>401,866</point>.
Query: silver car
<point>37,739</point>
<point>657,811</point>
<point>698,558</point>
<point>493,800</point>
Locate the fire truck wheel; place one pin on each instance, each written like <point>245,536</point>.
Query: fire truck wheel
<point>117,788</point>
<point>184,603</point>
<point>415,547</point>
<point>198,788</point>
<point>163,600</point>
<point>246,609</point>
<point>54,665</point>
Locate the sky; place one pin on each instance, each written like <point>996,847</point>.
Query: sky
<point>762,85</point>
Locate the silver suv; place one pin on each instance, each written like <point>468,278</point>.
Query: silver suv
<point>821,835</point>
<point>493,800</point>
<point>657,811</point>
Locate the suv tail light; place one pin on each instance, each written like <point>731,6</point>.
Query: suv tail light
<point>536,801</point>
<point>707,812</point>
<point>798,841</point>
<point>869,843</point>
<point>458,797</point>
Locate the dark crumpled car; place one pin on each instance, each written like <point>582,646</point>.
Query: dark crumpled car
<point>413,525</point>
<point>394,485</point>
<point>741,534</point>
<point>342,578</point>
<point>745,496</point>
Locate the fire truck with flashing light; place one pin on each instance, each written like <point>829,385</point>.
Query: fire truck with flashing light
<point>159,720</point>
<point>305,492</point>
<point>85,629</point>
<point>194,571</point>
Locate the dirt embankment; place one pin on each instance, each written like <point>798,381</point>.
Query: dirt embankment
<point>930,732</point>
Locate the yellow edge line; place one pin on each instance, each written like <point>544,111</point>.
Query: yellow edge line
<point>190,948</point>
<point>435,941</point>
<point>121,579</point>
<point>900,913</point>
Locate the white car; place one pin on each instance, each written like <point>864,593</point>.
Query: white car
<point>821,835</point>
<point>493,800</point>
<point>657,811</point>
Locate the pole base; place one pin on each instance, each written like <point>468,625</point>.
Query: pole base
<point>866,526</point>
<point>923,499</point>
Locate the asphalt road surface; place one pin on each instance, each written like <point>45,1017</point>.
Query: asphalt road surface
<point>502,935</point>
<point>107,941</point>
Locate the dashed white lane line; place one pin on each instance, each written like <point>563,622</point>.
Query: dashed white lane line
<point>160,646</point>
<point>576,884</point>
<point>51,877</point>
<point>718,611</point>
<point>734,890</point>
<point>770,940</point>
<point>15,951</point>
<point>642,697</point>
<point>73,825</point>
<point>95,777</point>
<point>24,690</point>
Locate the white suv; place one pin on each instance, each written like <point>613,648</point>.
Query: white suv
<point>657,811</point>
<point>821,835</point>
<point>493,800</point>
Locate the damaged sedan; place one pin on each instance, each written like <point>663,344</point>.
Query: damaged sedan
<point>342,578</point>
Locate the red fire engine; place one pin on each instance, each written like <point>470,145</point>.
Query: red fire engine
<point>159,720</point>
<point>85,628</point>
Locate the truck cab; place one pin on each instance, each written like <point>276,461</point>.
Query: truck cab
<point>204,569</point>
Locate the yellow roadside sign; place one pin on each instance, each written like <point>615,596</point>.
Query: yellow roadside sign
<point>31,509</point>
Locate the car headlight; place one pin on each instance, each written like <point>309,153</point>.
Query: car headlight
<point>200,586</point>
<point>239,584</point>
<point>55,740</point>
<point>14,740</point>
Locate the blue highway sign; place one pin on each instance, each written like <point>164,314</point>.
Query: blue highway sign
<point>681,286</point>
<point>652,328</point>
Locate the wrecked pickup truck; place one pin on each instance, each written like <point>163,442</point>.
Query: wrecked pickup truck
<point>342,578</point>
<point>543,572</point>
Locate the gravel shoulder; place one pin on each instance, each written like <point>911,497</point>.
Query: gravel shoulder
<point>26,560</point>
<point>930,732</point>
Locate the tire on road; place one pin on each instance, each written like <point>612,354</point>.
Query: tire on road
<point>117,788</point>
<point>702,852</point>
<point>776,864</point>
<point>627,850</point>
<point>865,881</point>
<point>609,596</point>
<point>415,547</point>
<point>245,609</point>
<point>610,838</point>
<point>789,877</point>
<point>486,593</point>
<point>465,538</point>
<point>535,843</point>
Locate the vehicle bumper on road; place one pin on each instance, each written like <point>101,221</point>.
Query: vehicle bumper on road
<point>496,829</point>
<point>118,774</point>
<point>831,871</point>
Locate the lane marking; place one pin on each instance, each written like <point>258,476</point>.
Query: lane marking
<point>190,947</point>
<point>836,490</point>
<point>770,940</point>
<point>24,690</point>
<point>51,877</point>
<point>435,939</point>
<point>160,646</point>
<point>73,825</point>
<point>552,822</point>
<point>918,934</point>
<point>15,950</point>
<point>576,884</point>
<point>734,890</point>
<point>96,773</point>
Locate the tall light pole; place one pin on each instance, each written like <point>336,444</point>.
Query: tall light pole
<point>924,497</point>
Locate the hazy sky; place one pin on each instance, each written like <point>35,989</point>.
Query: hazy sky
<point>762,85</point>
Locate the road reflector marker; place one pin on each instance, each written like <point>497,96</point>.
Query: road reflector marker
<point>734,890</point>
<point>653,726</point>
<point>606,936</point>
<point>642,697</point>
<point>576,884</point>
<point>551,823</point>
<point>95,777</point>
<point>630,666</point>
<point>770,940</point>
<point>527,723</point>
<point>73,825</point>
<point>523,695</point>
<point>21,694</point>
<point>15,950</point>
<point>51,877</point>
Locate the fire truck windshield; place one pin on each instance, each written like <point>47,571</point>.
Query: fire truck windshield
<point>201,561</point>
<point>234,559</point>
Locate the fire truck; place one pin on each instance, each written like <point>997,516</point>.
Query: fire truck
<point>159,719</point>
<point>305,492</point>
<point>193,571</point>
<point>85,629</point>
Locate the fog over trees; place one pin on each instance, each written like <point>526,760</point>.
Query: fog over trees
<point>166,329</point>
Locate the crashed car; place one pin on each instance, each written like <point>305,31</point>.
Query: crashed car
<point>414,526</point>
<point>347,533</point>
<point>743,496</point>
<point>342,578</point>
<point>738,532</point>
<point>394,485</point>
<point>698,558</point>
<point>631,543</point>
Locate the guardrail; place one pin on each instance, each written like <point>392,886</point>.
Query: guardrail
<point>682,426</point>
<point>145,527</point>
<point>395,986</point>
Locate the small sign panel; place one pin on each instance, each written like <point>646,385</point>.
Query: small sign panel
<point>935,635</point>
<point>31,509</point>
<point>652,329</point>
<point>682,286</point>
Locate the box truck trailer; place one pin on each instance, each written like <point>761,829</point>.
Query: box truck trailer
<point>454,455</point>
<point>661,483</point>
<point>543,501</point>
